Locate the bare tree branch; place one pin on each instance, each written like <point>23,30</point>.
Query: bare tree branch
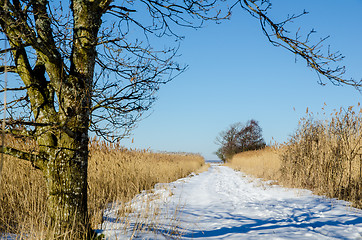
<point>8,69</point>
<point>36,160</point>
<point>14,89</point>
<point>313,53</point>
<point>22,133</point>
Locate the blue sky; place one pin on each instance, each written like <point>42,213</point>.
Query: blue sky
<point>235,74</point>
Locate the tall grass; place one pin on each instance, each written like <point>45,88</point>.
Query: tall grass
<point>322,155</point>
<point>264,163</point>
<point>115,174</point>
<point>118,174</point>
<point>326,156</point>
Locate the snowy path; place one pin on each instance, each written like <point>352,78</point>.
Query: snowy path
<point>224,204</point>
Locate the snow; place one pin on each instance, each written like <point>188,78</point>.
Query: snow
<point>225,204</point>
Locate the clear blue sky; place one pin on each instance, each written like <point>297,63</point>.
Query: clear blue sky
<point>235,74</point>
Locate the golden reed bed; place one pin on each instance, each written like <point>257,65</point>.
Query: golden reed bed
<point>115,174</point>
<point>322,155</point>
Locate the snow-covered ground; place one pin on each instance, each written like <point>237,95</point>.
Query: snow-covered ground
<point>224,204</point>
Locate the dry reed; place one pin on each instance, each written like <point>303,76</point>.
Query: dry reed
<point>324,156</point>
<point>115,174</point>
<point>264,163</point>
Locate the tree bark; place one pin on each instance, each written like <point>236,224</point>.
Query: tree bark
<point>66,177</point>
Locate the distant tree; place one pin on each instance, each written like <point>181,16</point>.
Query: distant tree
<point>220,155</point>
<point>239,138</point>
<point>250,137</point>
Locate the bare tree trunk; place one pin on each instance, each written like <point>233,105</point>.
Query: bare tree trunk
<point>66,176</point>
<point>65,171</point>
